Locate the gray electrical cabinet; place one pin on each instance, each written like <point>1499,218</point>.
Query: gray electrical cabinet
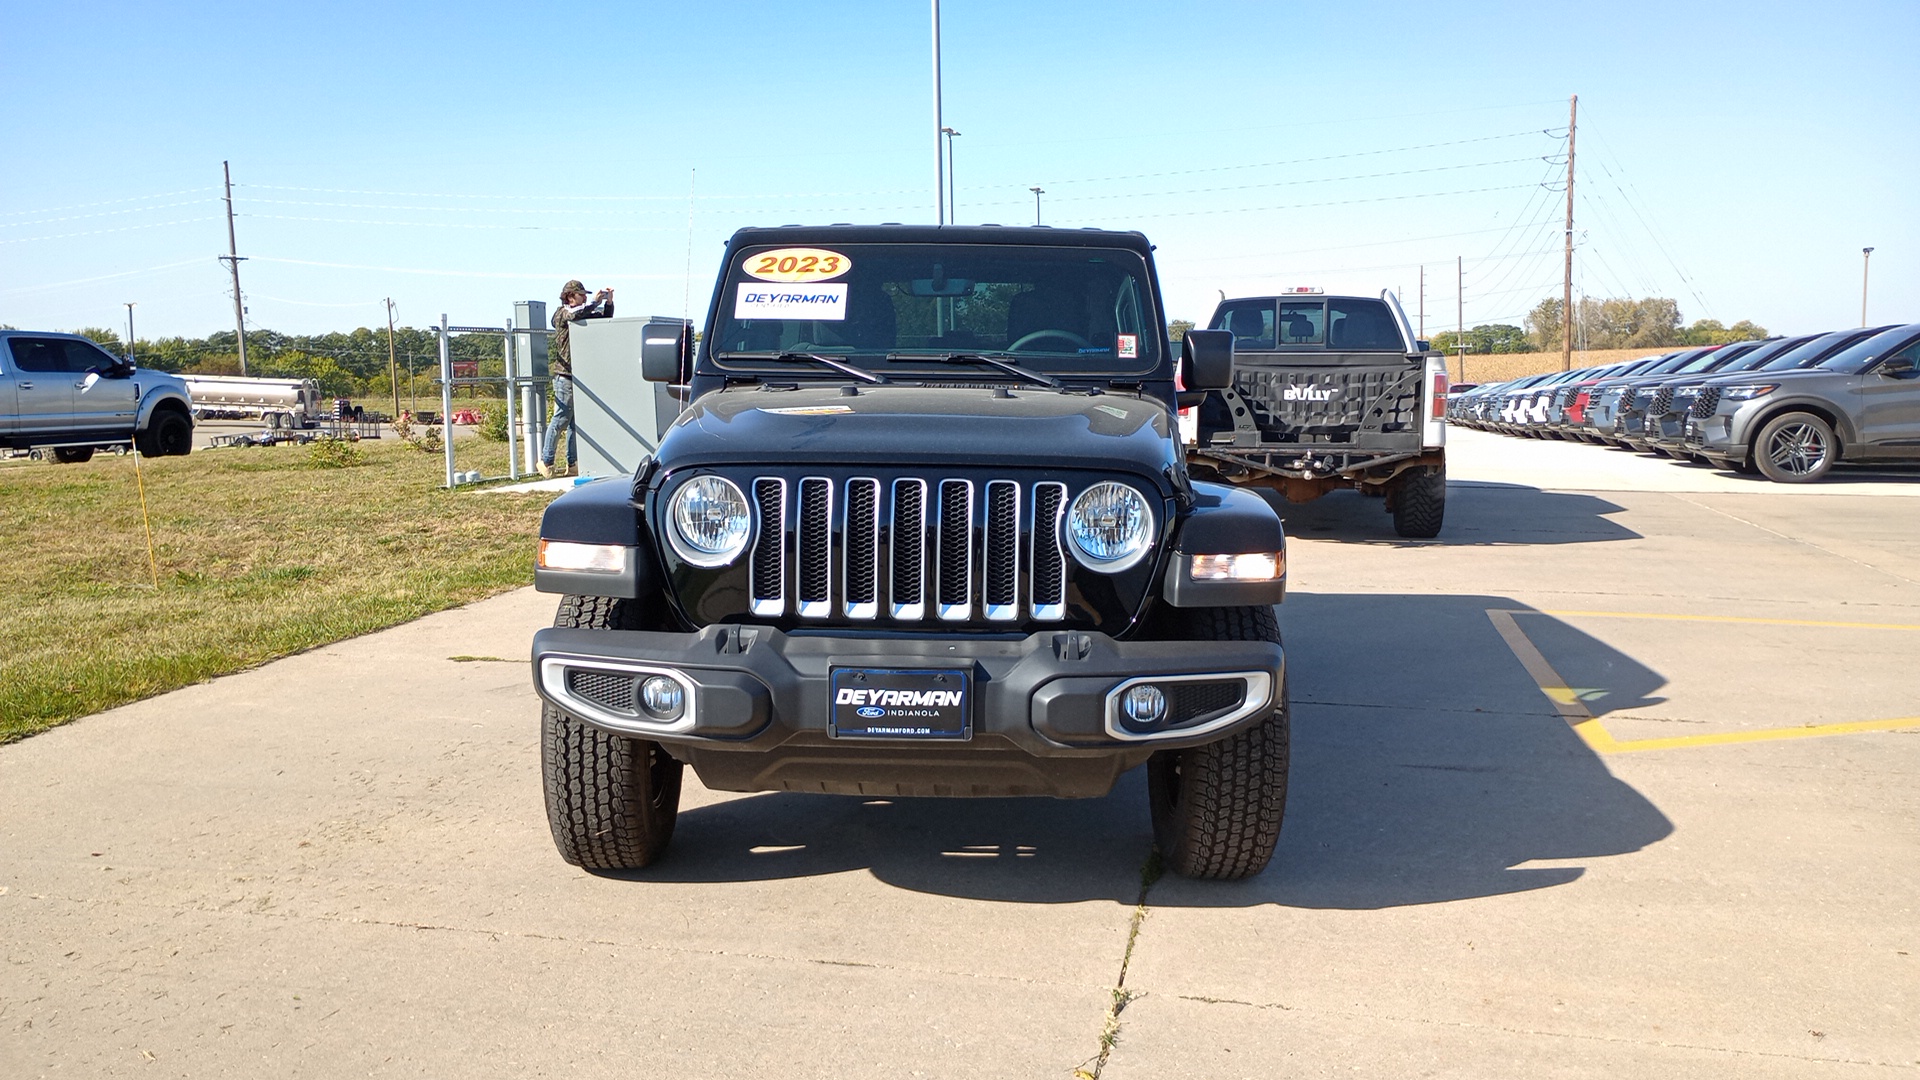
<point>618,416</point>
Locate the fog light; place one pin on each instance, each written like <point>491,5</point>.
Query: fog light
<point>1145,704</point>
<point>662,698</point>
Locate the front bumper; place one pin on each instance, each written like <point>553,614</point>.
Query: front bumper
<point>1044,708</point>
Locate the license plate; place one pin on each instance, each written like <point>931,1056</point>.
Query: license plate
<point>895,703</point>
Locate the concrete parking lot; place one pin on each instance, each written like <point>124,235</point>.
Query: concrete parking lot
<point>1618,777</point>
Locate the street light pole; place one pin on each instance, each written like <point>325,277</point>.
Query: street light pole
<point>939,159</point>
<point>952,214</point>
<point>1866,259</point>
<point>1037,192</point>
<point>130,333</point>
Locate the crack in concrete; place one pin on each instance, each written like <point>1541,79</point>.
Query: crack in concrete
<point>1090,1069</point>
<point>1798,540</point>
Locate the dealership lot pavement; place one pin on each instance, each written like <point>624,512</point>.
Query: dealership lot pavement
<point>1619,777</point>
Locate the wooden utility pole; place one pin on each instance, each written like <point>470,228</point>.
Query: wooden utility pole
<point>232,259</point>
<point>1423,302</point>
<point>393,364</point>
<point>1566,293</point>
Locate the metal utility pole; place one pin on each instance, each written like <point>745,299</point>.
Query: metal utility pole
<point>130,327</point>
<point>1423,302</point>
<point>1460,310</point>
<point>1037,192</point>
<point>232,259</point>
<point>953,215</point>
<point>939,150</point>
<point>393,363</point>
<point>1866,258</point>
<point>1566,294</point>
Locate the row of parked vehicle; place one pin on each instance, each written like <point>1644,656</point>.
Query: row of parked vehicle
<point>1790,408</point>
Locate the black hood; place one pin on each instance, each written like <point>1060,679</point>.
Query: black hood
<point>936,425</point>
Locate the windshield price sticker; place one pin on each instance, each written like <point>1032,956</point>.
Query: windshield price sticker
<point>882,703</point>
<point>1129,346</point>
<point>827,302</point>
<point>794,265</point>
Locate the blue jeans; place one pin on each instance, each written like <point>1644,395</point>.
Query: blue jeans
<point>562,420</point>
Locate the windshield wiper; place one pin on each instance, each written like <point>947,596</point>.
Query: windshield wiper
<point>834,362</point>
<point>978,358</point>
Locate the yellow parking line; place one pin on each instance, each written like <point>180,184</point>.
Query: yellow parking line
<point>1729,619</point>
<point>1566,700</point>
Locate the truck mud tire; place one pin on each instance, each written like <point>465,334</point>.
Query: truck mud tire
<point>611,800</point>
<point>1420,506</point>
<point>1217,808</point>
<point>1795,448</point>
<point>72,455</point>
<point>169,434</point>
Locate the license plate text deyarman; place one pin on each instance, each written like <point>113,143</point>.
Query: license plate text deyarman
<point>850,696</point>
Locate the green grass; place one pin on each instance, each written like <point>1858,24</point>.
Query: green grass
<point>261,553</point>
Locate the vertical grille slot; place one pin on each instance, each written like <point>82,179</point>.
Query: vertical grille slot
<point>1049,558</point>
<point>909,572</point>
<point>861,570</point>
<point>954,579</point>
<point>1002,571</point>
<point>813,546</point>
<point>767,568</point>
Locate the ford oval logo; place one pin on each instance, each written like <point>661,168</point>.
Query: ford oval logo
<point>870,712</point>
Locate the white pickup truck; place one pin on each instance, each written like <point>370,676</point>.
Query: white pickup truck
<point>64,394</point>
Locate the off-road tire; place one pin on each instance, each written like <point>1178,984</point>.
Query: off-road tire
<point>1217,808</point>
<point>1420,504</point>
<point>168,434</point>
<point>1795,448</point>
<point>612,801</point>
<point>72,455</point>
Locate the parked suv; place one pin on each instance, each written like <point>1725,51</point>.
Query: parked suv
<point>63,393</point>
<point>1861,404</point>
<point>924,528</point>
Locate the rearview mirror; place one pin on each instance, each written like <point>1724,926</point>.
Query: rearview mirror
<point>666,350</point>
<point>1207,360</point>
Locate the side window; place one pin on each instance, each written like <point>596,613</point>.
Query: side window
<point>83,357</point>
<point>1251,322</point>
<point>1303,323</point>
<point>1362,325</point>
<point>34,354</point>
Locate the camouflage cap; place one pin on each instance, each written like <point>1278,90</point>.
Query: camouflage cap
<point>571,287</point>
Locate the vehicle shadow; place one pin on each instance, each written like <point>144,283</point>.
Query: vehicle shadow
<point>1478,514</point>
<point>1427,766</point>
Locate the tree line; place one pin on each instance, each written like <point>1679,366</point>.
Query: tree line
<point>1650,323</point>
<point>351,364</point>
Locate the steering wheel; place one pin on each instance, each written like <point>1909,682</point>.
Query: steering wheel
<point>1078,341</point>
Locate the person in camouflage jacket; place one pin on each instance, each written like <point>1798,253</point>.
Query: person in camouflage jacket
<point>574,305</point>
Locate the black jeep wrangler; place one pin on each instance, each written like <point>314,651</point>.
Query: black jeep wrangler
<point>923,528</point>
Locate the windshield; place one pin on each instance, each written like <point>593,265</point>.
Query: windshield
<point>1859,357</point>
<point>1061,310</point>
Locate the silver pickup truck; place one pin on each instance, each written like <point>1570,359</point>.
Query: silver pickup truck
<point>1328,392</point>
<point>64,394</point>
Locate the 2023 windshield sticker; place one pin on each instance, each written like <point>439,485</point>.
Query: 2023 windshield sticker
<point>795,266</point>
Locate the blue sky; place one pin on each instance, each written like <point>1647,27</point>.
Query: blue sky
<point>458,157</point>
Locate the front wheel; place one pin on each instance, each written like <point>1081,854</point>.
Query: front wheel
<point>1420,505</point>
<point>612,800</point>
<point>1217,808</point>
<point>168,434</point>
<point>72,455</point>
<point>1795,448</point>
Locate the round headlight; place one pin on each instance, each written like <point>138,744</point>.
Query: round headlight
<point>1111,525</point>
<point>708,521</point>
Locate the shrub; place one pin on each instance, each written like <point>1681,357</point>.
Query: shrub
<point>334,454</point>
<point>493,422</point>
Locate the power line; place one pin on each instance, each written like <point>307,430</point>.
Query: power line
<point>107,202</point>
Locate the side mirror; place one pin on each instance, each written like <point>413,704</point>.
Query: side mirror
<point>86,384</point>
<point>1898,365</point>
<point>666,350</point>
<point>1207,360</point>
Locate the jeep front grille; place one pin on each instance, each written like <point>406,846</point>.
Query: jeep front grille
<point>909,549</point>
